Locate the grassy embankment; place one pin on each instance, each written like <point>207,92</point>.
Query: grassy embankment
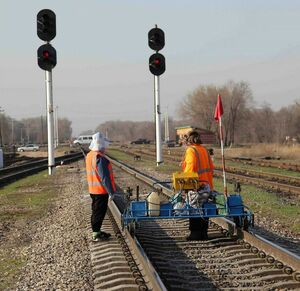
<point>287,153</point>
<point>20,203</point>
<point>274,207</point>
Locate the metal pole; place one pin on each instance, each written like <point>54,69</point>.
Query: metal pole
<point>223,157</point>
<point>159,159</point>
<point>50,123</point>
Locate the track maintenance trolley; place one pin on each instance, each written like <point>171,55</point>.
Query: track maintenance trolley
<point>192,198</point>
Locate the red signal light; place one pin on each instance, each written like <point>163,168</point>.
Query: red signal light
<point>46,57</point>
<point>46,54</point>
<point>157,61</point>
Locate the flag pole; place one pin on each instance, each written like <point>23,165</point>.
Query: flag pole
<point>218,117</point>
<point>223,157</point>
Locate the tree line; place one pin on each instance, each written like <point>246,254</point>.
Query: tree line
<point>124,131</point>
<point>242,121</point>
<point>31,130</point>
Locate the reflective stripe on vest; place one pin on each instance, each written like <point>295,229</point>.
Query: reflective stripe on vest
<point>205,170</point>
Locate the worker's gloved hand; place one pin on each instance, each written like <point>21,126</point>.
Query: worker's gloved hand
<point>111,196</point>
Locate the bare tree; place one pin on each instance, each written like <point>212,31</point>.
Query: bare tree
<point>199,107</point>
<point>239,99</point>
<point>127,130</point>
<point>64,129</point>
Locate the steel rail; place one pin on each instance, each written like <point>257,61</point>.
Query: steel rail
<point>143,262</point>
<point>264,175</point>
<point>275,186</point>
<point>265,163</point>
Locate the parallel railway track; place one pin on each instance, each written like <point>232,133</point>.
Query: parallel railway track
<point>273,182</point>
<point>13,173</point>
<point>266,163</point>
<point>263,162</point>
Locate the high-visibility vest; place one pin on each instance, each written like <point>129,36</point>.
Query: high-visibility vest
<point>93,177</point>
<point>197,159</point>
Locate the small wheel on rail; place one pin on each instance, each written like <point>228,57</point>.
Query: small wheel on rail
<point>131,228</point>
<point>245,223</point>
<point>237,221</point>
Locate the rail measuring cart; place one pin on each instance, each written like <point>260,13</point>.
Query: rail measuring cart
<point>188,202</point>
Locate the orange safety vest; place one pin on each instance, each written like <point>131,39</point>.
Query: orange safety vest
<point>197,159</point>
<point>93,177</point>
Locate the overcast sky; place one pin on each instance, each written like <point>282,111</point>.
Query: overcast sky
<point>102,49</point>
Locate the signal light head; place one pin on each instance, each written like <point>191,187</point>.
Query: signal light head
<point>157,64</point>
<point>156,39</point>
<point>46,24</point>
<point>46,57</point>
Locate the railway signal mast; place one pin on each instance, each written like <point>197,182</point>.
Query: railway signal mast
<point>157,66</point>
<point>46,57</point>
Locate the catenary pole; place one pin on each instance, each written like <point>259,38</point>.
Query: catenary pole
<point>159,159</point>
<point>50,121</point>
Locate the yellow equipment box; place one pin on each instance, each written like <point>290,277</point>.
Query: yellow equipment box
<point>185,181</point>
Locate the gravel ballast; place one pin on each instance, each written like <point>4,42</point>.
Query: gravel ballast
<point>58,257</point>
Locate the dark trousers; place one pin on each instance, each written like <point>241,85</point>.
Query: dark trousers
<point>99,208</point>
<point>199,224</point>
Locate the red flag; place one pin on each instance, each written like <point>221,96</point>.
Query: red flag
<point>219,109</point>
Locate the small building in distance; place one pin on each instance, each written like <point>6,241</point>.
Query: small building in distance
<point>207,137</point>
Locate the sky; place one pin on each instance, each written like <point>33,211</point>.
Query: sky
<point>102,49</point>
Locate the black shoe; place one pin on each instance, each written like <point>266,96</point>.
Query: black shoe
<point>101,236</point>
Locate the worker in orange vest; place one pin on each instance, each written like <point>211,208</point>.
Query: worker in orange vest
<point>198,160</point>
<point>101,184</point>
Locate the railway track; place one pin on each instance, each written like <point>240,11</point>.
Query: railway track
<point>271,182</point>
<point>13,173</point>
<point>241,262</point>
<point>246,161</point>
<point>272,177</point>
<point>156,256</point>
<point>266,163</point>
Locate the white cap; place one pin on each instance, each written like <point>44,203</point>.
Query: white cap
<point>99,142</point>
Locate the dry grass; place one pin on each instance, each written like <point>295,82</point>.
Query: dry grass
<point>285,152</point>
